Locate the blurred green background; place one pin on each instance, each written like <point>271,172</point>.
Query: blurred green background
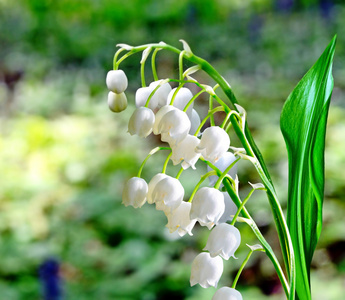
<point>64,156</point>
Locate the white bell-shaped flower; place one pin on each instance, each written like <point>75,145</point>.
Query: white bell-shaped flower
<point>117,81</point>
<point>184,152</point>
<point>141,122</point>
<point>117,102</point>
<point>181,99</point>
<point>152,184</point>
<point>168,194</point>
<point>141,96</point>
<point>159,115</point>
<point>226,293</point>
<point>230,208</point>
<point>214,143</point>
<point>134,192</point>
<point>224,240</point>
<point>174,126</point>
<point>179,220</point>
<point>162,92</point>
<point>206,270</point>
<point>195,122</point>
<point>223,162</point>
<point>207,206</point>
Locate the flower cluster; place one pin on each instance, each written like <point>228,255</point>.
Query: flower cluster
<point>168,113</point>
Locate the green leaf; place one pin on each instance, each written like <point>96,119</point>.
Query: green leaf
<point>303,124</point>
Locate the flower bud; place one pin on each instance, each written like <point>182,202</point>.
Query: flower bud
<point>230,209</point>
<point>134,192</point>
<point>159,115</point>
<point>141,122</point>
<point>168,194</point>
<point>226,293</point>
<point>206,270</point>
<point>117,102</point>
<point>223,162</point>
<point>214,143</point>
<point>117,81</point>
<point>179,220</point>
<point>207,206</point>
<point>174,126</point>
<point>185,152</point>
<point>195,122</point>
<point>224,240</point>
<point>181,99</point>
<point>152,184</point>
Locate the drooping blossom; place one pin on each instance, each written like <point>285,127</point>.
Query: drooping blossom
<point>168,194</point>
<point>207,206</point>
<point>134,192</point>
<point>214,143</point>
<point>206,270</point>
<point>174,127</point>
<point>224,240</point>
<point>184,152</point>
<point>179,220</point>
<point>141,122</point>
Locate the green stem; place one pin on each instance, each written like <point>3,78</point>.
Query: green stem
<point>153,64</point>
<point>241,207</point>
<point>220,179</point>
<point>166,162</point>
<point>142,74</point>
<point>210,113</point>
<point>179,173</point>
<point>153,151</point>
<point>117,53</point>
<point>202,179</point>
<point>192,100</point>
<point>242,267</point>
<point>180,64</point>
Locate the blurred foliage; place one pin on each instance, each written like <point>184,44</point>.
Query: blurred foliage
<point>64,157</point>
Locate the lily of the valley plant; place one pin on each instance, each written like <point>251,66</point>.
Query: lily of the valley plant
<point>171,113</point>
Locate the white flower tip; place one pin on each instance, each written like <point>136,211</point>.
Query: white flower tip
<point>125,46</point>
<point>186,48</point>
<point>208,89</point>
<point>191,70</point>
<point>146,53</point>
<point>256,247</point>
<point>257,186</point>
<point>162,43</point>
<point>240,109</point>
